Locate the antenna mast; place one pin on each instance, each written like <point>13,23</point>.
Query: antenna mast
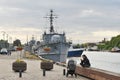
<point>51,17</point>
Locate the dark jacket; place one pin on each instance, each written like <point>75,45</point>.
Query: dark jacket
<point>85,63</point>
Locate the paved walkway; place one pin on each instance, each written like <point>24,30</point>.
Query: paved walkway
<point>33,71</point>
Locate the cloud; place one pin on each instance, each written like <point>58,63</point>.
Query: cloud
<point>105,33</point>
<point>82,20</point>
<point>20,33</point>
<point>90,12</point>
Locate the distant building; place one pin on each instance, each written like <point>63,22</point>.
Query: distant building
<point>4,44</point>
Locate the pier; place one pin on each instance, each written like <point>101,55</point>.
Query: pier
<point>33,72</point>
<point>97,74</point>
<point>94,73</point>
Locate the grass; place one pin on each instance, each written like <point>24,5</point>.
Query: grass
<point>29,55</point>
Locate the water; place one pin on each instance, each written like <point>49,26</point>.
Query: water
<point>103,60</point>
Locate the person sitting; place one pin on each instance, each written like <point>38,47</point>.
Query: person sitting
<point>85,61</point>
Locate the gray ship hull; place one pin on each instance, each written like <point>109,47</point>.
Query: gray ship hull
<point>58,55</point>
<point>55,57</point>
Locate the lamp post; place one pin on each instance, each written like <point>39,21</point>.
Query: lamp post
<point>7,37</point>
<point>3,35</point>
<point>10,39</point>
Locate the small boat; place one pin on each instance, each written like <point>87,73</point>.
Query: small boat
<point>75,52</point>
<point>115,49</point>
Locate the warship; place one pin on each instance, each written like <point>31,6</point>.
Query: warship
<point>54,45</point>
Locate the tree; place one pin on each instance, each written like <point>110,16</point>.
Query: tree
<point>114,42</point>
<point>17,42</point>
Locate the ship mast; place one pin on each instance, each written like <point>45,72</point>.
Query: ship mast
<point>51,17</point>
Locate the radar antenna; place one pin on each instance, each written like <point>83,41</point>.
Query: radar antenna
<point>51,17</point>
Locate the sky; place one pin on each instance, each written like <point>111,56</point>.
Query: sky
<point>82,20</point>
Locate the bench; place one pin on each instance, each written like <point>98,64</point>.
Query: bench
<point>97,74</point>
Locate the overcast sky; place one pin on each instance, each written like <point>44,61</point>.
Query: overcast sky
<point>82,20</point>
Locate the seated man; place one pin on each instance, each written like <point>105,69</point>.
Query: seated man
<point>85,61</point>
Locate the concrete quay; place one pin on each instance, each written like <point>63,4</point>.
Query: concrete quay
<point>97,74</point>
<point>33,71</point>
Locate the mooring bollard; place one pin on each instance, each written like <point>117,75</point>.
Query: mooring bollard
<point>63,71</point>
<point>20,73</point>
<point>44,72</point>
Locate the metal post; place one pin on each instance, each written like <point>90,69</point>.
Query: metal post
<point>63,71</point>
<point>20,73</point>
<point>44,72</point>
